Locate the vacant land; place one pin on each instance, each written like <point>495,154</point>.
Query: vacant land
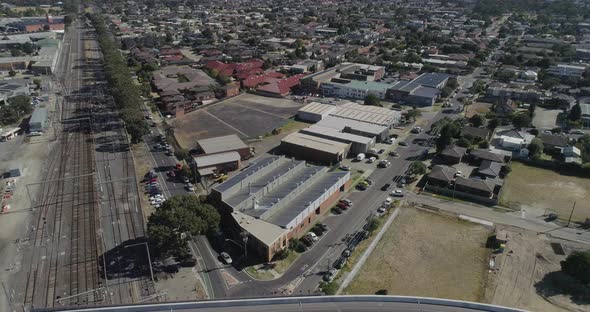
<point>522,275</point>
<point>540,191</point>
<point>477,108</point>
<point>424,254</point>
<point>247,115</point>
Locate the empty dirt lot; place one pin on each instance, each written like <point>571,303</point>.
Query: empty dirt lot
<point>521,275</point>
<point>540,191</point>
<point>247,115</point>
<point>477,108</point>
<point>425,254</point>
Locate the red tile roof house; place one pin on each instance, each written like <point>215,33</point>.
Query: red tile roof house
<point>279,87</point>
<point>239,70</point>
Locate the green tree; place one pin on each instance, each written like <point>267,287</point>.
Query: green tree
<point>575,113</point>
<point>521,120</point>
<point>37,83</point>
<point>577,265</point>
<point>535,148</point>
<point>584,146</point>
<point>329,288</point>
<point>21,104</point>
<point>11,73</point>
<point>492,123</point>
<point>372,224</point>
<point>418,168</point>
<point>182,214</point>
<point>413,114</point>
<point>477,120</point>
<point>372,100</point>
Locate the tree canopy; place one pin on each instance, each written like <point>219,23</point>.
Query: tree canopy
<point>180,214</point>
<point>577,265</point>
<point>535,148</point>
<point>372,99</point>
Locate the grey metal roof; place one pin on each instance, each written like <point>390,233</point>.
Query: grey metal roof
<point>255,166</point>
<point>221,144</point>
<point>215,159</point>
<point>339,123</point>
<point>431,79</point>
<point>335,134</point>
<point>442,173</point>
<point>286,214</point>
<point>426,92</point>
<point>39,115</point>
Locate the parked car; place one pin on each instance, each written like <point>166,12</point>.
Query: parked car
<point>360,157</point>
<point>345,168</point>
<point>307,241</point>
<point>385,187</point>
<point>339,264</point>
<point>389,141</point>
<point>388,201</point>
<point>381,209</point>
<point>381,151</point>
<point>347,201</point>
<point>362,187</point>
<point>189,187</point>
<point>393,154</point>
<point>369,181</point>
<point>185,179</point>
<point>313,236</point>
<point>397,193</point>
<point>329,276</point>
<point>551,217</point>
<point>402,143</point>
<point>226,258</point>
<point>342,206</point>
<point>336,210</point>
<point>346,253</point>
<point>323,226</point>
<point>372,160</point>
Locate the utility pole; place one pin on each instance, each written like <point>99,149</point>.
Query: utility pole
<point>571,214</point>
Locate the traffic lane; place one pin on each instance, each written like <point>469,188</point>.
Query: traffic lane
<point>212,267</point>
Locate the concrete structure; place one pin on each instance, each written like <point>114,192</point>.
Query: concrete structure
<point>38,121</point>
<point>313,148</point>
<point>585,108</point>
<point>514,93</point>
<point>46,59</point>
<point>276,199</point>
<point>217,163</point>
<point>223,144</point>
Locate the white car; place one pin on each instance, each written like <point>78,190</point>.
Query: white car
<point>381,210</point>
<point>313,236</point>
<point>372,159</point>
<point>397,193</point>
<point>226,258</point>
<point>387,201</point>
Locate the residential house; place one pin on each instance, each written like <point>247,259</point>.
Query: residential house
<point>505,107</point>
<point>453,154</point>
<point>553,142</point>
<point>474,132</point>
<point>490,169</point>
<point>483,188</point>
<point>441,176</point>
<point>572,154</point>
<point>479,155</point>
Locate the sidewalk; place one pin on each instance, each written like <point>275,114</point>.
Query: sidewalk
<point>510,218</point>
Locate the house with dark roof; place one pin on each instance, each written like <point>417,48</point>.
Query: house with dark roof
<point>441,175</point>
<point>480,155</point>
<point>553,142</point>
<point>474,132</point>
<point>505,107</point>
<point>483,188</point>
<point>490,169</point>
<point>453,154</point>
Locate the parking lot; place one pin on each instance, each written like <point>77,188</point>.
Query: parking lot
<point>247,115</point>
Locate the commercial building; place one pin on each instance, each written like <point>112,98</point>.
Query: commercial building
<point>564,70</point>
<point>422,91</point>
<point>504,91</point>
<point>46,59</point>
<point>313,148</point>
<point>350,71</point>
<point>207,165</point>
<point>38,121</point>
<point>353,89</point>
<point>585,108</point>
<point>276,199</point>
<point>12,88</point>
<point>359,144</point>
<point>223,144</point>
<point>375,115</point>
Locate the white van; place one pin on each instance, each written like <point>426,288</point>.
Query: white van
<point>360,156</point>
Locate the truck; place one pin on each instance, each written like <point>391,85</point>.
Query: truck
<point>360,156</point>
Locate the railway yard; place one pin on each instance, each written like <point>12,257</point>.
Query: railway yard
<point>85,235</point>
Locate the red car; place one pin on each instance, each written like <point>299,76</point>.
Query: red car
<point>342,206</point>
<point>153,180</point>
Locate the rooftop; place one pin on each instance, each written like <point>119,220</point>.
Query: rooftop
<point>264,231</point>
<point>316,143</point>
<point>335,133</point>
<point>221,144</point>
<point>215,159</point>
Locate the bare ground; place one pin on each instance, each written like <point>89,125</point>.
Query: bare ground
<point>520,275</point>
<point>477,108</point>
<point>184,286</point>
<point>424,254</point>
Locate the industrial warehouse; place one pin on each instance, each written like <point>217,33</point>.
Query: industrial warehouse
<point>340,129</point>
<point>276,199</point>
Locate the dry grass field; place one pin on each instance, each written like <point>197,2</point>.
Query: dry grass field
<point>425,254</point>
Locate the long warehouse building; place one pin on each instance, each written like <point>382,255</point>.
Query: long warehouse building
<point>276,199</point>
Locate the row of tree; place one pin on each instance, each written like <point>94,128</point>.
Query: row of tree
<point>124,91</point>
